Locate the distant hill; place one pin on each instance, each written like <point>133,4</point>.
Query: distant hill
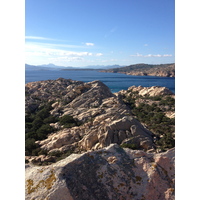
<point>102,66</point>
<point>44,67</point>
<point>164,70</point>
<point>55,67</point>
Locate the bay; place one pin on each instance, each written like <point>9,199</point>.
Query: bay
<point>114,81</point>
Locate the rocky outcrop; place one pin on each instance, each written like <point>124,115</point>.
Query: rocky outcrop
<point>109,173</point>
<point>98,134</point>
<point>148,91</point>
<point>151,95</point>
<point>105,118</point>
<point>99,167</point>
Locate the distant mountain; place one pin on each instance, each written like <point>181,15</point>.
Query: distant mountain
<point>51,66</point>
<point>45,67</point>
<point>164,70</point>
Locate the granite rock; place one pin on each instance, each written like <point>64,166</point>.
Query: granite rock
<point>109,173</point>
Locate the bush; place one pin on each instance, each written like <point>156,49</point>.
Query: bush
<point>37,128</point>
<point>30,145</point>
<point>44,113</point>
<point>50,119</point>
<point>130,146</point>
<point>55,153</point>
<point>37,123</point>
<point>154,118</point>
<point>43,131</point>
<point>68,121</point>
<point>167,141</point>
<point>167,101</point>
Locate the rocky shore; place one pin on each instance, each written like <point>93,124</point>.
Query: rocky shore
<point>105,150</point>
<point>167,70</point>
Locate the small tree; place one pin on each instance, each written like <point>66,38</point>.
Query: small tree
<point>68,121</point>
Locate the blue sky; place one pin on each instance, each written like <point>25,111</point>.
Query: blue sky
<point>99,32</point>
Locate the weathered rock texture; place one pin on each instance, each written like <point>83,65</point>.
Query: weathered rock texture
<point>106,119</point>
<point>109,173</point>
<point>149,91</point>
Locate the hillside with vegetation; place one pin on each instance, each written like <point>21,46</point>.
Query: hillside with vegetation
<point>164,70</point>
<point>155,110</point>
<point>78,131</point>
<point>64,116</point>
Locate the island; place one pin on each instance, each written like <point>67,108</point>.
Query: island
<point>164,70</point>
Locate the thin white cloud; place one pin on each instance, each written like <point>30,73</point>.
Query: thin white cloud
<point>66,59</point>
<point>145,45</point>
<point>89,44</point>
<point>167,55</point>
<point>55,53</point>
<point>73,53</point>
<point>53,45</point>
<point>99,54</point>
<point>151,55</point>
<point>37,38</point>
<point>43,51</point>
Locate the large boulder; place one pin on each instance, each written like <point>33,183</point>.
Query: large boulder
<point>128,129</point>
<point>106,174</point>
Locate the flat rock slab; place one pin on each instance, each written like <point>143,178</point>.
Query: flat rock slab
<point>105,174</point>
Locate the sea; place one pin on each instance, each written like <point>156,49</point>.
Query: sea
<point>114,81</point>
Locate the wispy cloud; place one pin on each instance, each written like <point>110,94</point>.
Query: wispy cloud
<point>56,52</point>
<point>89,44</point>
<point>66,59</point>
<point>38,38</point>
<point>98,54</point>
<point>41,45</point>
<point>44,50</point>
<point>146,45</point>
<point>151,55</point>
<point>167,55</point>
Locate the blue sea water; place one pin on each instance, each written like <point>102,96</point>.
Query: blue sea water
<point>114,81</point>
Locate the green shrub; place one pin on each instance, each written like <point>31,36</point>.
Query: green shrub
<point>166,142</point>
<point>68,121</point>
<point>55,153</point>
<point>43,131</point>
<point>154,117</point>
<point>37,123</point>
<point>130,146</point>
<point>50,119</point>
<point>30,145</point>
<point>44,113</point>
<point>37,128</point>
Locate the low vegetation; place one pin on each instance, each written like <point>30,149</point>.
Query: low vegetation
<point>130,146</point>
<point>37,127</point>
<point>151,112</point>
